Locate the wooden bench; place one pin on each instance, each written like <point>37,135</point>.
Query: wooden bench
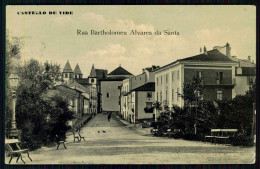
<point>60,141</point>
<point>154,131</point>
<point>214,133</point>
<point>74,136</point>
<point>167,132</point>
<point>171,132</point>
<point>14,149</point>
<point>221,135</point>
<point>80,137</point>
<point>225,135</point>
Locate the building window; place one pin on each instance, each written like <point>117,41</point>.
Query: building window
<point>172,76</point>
<point>108,95</point>
<point>166,92</point>
<point>172,94</point>
<point>177,94</point>
<point>66,75</point>
<point>149,107</point>
<point>157,80</point>
<point>157,96</point>
<point>92,80</point>
<point>149,94</point>
<point>160,96</point>
<point>219,77</point>
<point>166,78</point>
<point>200,74</point>
<point>178,75</point>
<point>219,95</point>
<point>161,79</point>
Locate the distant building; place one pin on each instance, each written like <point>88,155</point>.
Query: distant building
<point>245,74</point>
<point>143,98</point>
<point>110,95</point>
<point>67,73</point>
<point>91,85</point>
<point>75,98</point>
<point>128,103</point>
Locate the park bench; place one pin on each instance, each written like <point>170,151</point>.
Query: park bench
<point>80,137</point>
<point>74,136</point>
<point>60,141</point>
<point>171,132</point>
<point>213,134</point>
<point>77,135</point>
<point>154,131</point>
<point>225,135</point>
<point>221,135</point>
<point>13,149</point>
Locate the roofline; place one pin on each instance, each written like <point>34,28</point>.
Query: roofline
<point>143,85</point>
<point>233,63</point>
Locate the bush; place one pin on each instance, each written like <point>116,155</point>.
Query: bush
<point>242,140</point>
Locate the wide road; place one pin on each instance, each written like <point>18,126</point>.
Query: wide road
<point>113,143</point>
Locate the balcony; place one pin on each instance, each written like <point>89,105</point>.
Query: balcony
<point>220,83</point>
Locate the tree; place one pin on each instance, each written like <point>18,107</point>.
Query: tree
<point>157,106</point>
<point>193,89</point>
<point>32,105</point>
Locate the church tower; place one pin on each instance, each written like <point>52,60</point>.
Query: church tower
<point>67,72</point>
<point>93,76</point>
<point>77,72</point>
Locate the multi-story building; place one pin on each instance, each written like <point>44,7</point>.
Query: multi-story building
<point>74,96</point>
<point>216,69</point>
<point>92,84</point>
<point>245,72</point>
<point>110,95</point>
<point>130,99</point>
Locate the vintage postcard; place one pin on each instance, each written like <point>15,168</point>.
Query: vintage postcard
<point>130,84</point>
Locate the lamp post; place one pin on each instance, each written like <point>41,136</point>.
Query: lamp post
<point>13,83</point>
<point>196,116</point>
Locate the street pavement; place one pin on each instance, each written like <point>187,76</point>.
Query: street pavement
<point>115,142</point>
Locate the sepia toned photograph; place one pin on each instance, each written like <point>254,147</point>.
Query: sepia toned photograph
<point>130,84</point>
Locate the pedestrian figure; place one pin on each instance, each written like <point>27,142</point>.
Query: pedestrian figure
<point>109,117</point>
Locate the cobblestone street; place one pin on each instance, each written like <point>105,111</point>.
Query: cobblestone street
<point>112,142</point>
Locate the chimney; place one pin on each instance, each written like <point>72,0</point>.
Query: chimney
<point>228,50</point>
<point>205,50</point>
<point>249,58</point>
<point>239,70</point>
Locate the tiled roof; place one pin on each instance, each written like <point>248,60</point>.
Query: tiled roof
<point>117,78</point>
<point>212,55</point>
<point>77,70</point>
<point>67,68</point>
<point>146,87</point>
<point>120,71</point>
<point>83,81</point>
<point>75,85</point>
<point>101,73</point>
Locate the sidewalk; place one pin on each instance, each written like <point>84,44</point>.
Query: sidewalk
<point>138,127</point>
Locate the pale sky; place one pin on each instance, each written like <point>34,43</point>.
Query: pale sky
<point>54,37</point>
